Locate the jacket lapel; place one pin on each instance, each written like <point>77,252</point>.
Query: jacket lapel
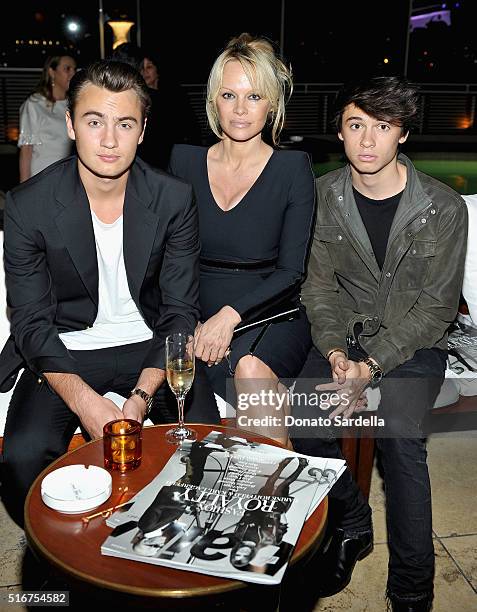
<point>76,227</point>
<point>140,226</point>
<point>344,207</point>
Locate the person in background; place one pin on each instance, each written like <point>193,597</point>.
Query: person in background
<point>383,286</point>
<point>149,72</point>
<point>172,119</point>
<point>469,288</point>
<point>256,214</point>
<point>43,136</point>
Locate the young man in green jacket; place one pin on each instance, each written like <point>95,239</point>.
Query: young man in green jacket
<point>383,286</point>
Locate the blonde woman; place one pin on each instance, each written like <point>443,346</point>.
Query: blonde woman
<point>256,212</point>
<point>43,136</point>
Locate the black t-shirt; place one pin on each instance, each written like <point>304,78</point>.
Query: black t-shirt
<point>377,216</point>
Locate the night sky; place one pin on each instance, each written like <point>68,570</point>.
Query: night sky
<point>324,41</point>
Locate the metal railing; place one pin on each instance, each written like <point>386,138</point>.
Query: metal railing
<point>447,108</point>
<point>16,84</point>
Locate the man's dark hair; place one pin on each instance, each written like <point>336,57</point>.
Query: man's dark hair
<point>391,98</point>
<point>112,75</point>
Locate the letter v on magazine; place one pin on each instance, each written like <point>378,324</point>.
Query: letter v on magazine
<point>223,506</point>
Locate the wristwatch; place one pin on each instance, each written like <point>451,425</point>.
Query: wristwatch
<point>375,371</point>
<point>146,397</point>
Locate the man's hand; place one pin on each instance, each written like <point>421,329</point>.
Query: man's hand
<point>356,377</point>
<point>99,412</point>
<point>149,381</point>
<point>339,366</point>
<point>93,410</point>
<point>134,408</point>
<point>212,338</point>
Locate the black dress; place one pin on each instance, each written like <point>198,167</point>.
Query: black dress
<point>272,223</point>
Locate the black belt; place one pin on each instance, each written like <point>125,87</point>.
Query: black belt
<point>238,265</point>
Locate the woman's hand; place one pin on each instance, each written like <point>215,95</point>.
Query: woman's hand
<point>212,338</point>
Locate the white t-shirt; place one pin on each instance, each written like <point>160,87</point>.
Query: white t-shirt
<point>118,321</point>
<point>469,288</point>
<point>43,125</point>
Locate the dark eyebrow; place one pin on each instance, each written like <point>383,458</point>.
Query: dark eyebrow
<point>95,113</point>
<point>127,118</point>
<point>101,115</point>
<point>358,118</point>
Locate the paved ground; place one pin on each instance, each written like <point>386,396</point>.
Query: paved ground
<point>452,461</point>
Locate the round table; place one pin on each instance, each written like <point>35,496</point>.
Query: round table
<point>73,549</point>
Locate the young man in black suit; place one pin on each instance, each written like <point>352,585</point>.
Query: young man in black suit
<point>101,264</point>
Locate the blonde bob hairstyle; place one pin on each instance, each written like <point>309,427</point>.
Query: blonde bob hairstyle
<point>268,74</point>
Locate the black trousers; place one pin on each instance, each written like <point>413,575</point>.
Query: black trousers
<point>40,426</point>
<point>407,393</point>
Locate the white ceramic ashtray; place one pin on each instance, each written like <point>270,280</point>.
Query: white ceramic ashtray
<point>76,488</point>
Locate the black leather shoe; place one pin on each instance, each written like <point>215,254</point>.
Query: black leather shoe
<point>339,560</point>
<point>421,605</point>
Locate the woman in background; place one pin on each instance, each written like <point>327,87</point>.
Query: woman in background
<point>149,72</point>
<point>43,136</point>
<point>256,213</point>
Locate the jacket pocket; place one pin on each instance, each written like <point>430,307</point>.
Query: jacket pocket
<point>412,271</point>
<point>331,233</point>
<point>422,248</point>
<point>337,245</point>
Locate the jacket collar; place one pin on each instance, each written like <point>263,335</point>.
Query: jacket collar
<point>75,225</point>
<point>413,201</point>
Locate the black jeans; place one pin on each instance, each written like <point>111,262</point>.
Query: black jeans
<point>406,479</point>
<point>40,426</point>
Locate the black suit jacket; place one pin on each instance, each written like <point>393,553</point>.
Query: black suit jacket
<point>51,269</point>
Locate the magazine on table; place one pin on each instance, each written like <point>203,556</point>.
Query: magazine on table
<point>462,345</point>
<point>329,471</point>
<point>223,506</point>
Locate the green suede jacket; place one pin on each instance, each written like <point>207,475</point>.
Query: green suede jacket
<point>410,303</point>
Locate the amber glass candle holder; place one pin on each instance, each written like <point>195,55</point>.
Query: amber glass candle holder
<point>122,445</point>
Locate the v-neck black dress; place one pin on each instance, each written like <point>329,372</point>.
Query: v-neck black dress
<point>274,220</point>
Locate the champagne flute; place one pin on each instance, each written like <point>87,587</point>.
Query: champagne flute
<point>180,368</point>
